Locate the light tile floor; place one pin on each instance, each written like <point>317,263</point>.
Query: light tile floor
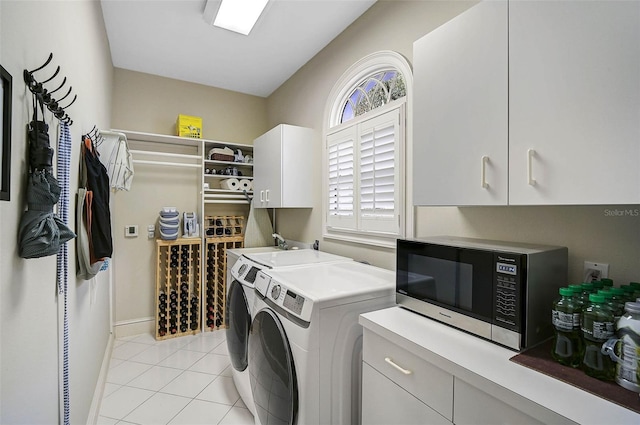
<point>185,380</point>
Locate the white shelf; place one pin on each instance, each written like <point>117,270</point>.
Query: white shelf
<point>224,176</point>
<point>240,164</point>
<point>176,140</point>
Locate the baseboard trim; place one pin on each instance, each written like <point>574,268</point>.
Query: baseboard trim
<point>134,327</point>
<point>94,410</point>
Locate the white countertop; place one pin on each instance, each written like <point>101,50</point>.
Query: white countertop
<point>467,357</point>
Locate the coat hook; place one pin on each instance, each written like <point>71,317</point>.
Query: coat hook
<point>65,107</point>
<point>60,86</point>
<point>53,76</point>
<point>65,96</point>
<point>45,64</point>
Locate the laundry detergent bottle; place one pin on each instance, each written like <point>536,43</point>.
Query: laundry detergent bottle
<point>625,349</point>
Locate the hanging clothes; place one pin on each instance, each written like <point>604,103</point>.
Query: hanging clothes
<point>100,217</point>
<point>94,244</point>
<point>120,166</point>
<point>41,232</point>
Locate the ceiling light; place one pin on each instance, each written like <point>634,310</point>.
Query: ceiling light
<point>239,15</point>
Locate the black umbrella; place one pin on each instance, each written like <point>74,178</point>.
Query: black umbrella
<point>41,232</point>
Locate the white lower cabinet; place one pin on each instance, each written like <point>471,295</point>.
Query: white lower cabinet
<point>400,387</point>
<point>403,384</point>
<point>384,402</point>
<point>475,407</point>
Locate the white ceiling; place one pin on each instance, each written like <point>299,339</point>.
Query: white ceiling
<point>170,38</point>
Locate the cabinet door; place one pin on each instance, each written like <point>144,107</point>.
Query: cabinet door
<point>473,406</point>
<point>384,403</point>
<point>460,110</point>
<point>574,102</point>
<point>299,173</point>
<point>267,169</point>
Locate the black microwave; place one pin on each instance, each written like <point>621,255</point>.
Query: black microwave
<point>500,291</point>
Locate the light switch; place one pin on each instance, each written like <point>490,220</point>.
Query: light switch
<point>151,231</point>
<point>131,231</point>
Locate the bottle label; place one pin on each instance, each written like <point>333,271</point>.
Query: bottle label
<point>565,321</point>
<point>602,330</point>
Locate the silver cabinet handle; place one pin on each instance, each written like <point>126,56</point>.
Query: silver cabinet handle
<point>262,196</point>
<point>401,369</point>
<point>267,195</point>
<point>483,173</point>
<point>530,154</point>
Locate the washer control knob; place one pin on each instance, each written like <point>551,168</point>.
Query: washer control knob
<point>242,269</point>
<point>275,292</point>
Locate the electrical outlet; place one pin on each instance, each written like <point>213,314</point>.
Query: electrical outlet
<point>594,271</point>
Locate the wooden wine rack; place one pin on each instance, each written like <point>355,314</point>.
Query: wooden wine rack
<point>215,286</point>
<point>223,226</point>
<point>178,279</point>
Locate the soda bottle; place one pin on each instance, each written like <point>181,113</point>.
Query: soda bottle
<point>587,289</point>
<point>597,328</point>
<point>616,307</point>
<point>567,345</point>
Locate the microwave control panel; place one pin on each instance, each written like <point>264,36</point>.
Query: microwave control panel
<point>507,286</point>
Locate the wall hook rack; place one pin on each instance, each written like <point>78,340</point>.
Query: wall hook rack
<point>38,89</point>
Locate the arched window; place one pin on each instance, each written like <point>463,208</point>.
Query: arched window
<point>364,161</point>
<point>376,90</point>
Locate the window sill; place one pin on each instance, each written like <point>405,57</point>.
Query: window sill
<point>387,242</point>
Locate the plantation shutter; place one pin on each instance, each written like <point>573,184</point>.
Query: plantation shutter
<point>378,173</point>
<point>341,164</point>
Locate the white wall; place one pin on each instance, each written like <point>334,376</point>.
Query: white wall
<point>590,232</point>
<point>29,305</point>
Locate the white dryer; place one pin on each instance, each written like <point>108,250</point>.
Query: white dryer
<point>240,300</point>
<point>305,343</point>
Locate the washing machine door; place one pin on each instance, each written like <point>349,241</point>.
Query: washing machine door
<point>238,318</point>
<point>272,371</point>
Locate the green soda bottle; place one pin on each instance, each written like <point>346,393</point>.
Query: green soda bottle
<point>597,328</point>
<point>587,289</point>
<point>567,346</point>
<point>607,282</point>
<point>616,307</point>
<point>597,285</point>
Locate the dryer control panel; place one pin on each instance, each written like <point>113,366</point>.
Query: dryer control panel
<point>283,297</point>
<point>293,302</point>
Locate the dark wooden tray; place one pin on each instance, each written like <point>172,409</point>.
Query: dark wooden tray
<point>539,358</point>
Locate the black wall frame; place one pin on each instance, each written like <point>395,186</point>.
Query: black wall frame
<point>5,127</point>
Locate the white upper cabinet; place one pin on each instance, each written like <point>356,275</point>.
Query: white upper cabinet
<point>460,110</point>
<point>544,113</point>
<point>574,102</point>
<point>283,168</point>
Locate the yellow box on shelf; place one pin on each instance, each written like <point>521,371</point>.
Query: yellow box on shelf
<point>189,126</point>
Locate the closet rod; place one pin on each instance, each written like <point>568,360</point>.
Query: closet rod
<point>223,201</point>
<point>173,155</point>
<point>169,164</point>
<point>224,196</point>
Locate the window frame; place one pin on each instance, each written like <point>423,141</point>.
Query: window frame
<point>376,62</point>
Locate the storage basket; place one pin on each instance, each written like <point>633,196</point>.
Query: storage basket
<point>188,126</point>
<point>221,154</point>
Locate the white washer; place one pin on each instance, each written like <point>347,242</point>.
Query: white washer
<point>240,299</point>
<point>305,342</point>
